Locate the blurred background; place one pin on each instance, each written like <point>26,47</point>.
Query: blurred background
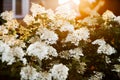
<point>83,7</point>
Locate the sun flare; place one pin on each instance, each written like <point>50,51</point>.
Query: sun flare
<point>91,1</point>
<point>65,1</point>
<point>62,1</point>
<point>76,2</point>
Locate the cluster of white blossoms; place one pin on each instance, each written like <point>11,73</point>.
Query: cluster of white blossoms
<point>59,72</point>
<point>117,19</point>
<point>10,40</point>
<point>4,51</point>
<point>119,59</point>
<point>44,76</point>
<point>28,19</point>
<point>52,38</point>
<point>67,27</point>
<point>3,30</point>
<point>97,76</point>
<point>52,51</point>
<point>37,9</point>
<point>104,47</point>
<point>117,68</point>
<point>41,50</point>
<point>7,15</point>
<point>11,48</point>
<point>19,53</point>
<point>78,35</point>
<point>64,54</point>
<point>29,73</point>
<point>72,53</point>
<point>107,59</point>
<point>82,67</point>
<point>50,14</point>
<point>49,36</point>
<point>99,42</point>
<point>108,16</point>
<point>11,23</point>
<point>9,54</point>
<point>60,22</point>
<point>76,53</point>
<point>90,20</point>
<point>66,12</point>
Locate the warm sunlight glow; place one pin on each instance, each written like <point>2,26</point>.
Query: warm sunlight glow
<point>76,1</point>
<point>91,1</point>
<point>65,1</point>
<point>62,1</point>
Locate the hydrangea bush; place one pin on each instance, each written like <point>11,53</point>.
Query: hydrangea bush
<point>57,46</point>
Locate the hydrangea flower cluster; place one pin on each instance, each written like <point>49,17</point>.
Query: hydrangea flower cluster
<point>53,45</point>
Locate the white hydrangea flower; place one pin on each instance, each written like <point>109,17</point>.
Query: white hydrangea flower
<point>81,68</point>
<point>6,54</point>
<point>59,72</point>
<point>107,59</point>
<point>66,12</point>
<point>52,51</point>
<point>3,30</point>
<point>12,24</point>
<point>28,73</point>
<point>77,35</point>
<point>117,68</point>
<point>117,19</point>
<point>37,9</point>
<point>108,15</point>
<point>49,36</point>
<point>2,47</point>
<point>41,50</point>
<point>76,53</point>
<point>91,21</point>
<point>7,15</point>
<point>34,39</point>
<point>50,14</point>
<point>82,33</point>
<point>10,40</point>
<point>119,59</point>
<point>44,76</point>
<point>100,42</point>
<point>24,60</point>
<point>9,54</point>
<point>8,57</point>
<point>64,54</point>
<point>19,43</point>
<point>106,49</point>
<point>103,47</point>
<point>71,37</point>
<point>28,19</point>
<point>19,53</point>
<point>97,76</point>
<point>59,22</point>
<point>38,49</point>
<point>67,27</point>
